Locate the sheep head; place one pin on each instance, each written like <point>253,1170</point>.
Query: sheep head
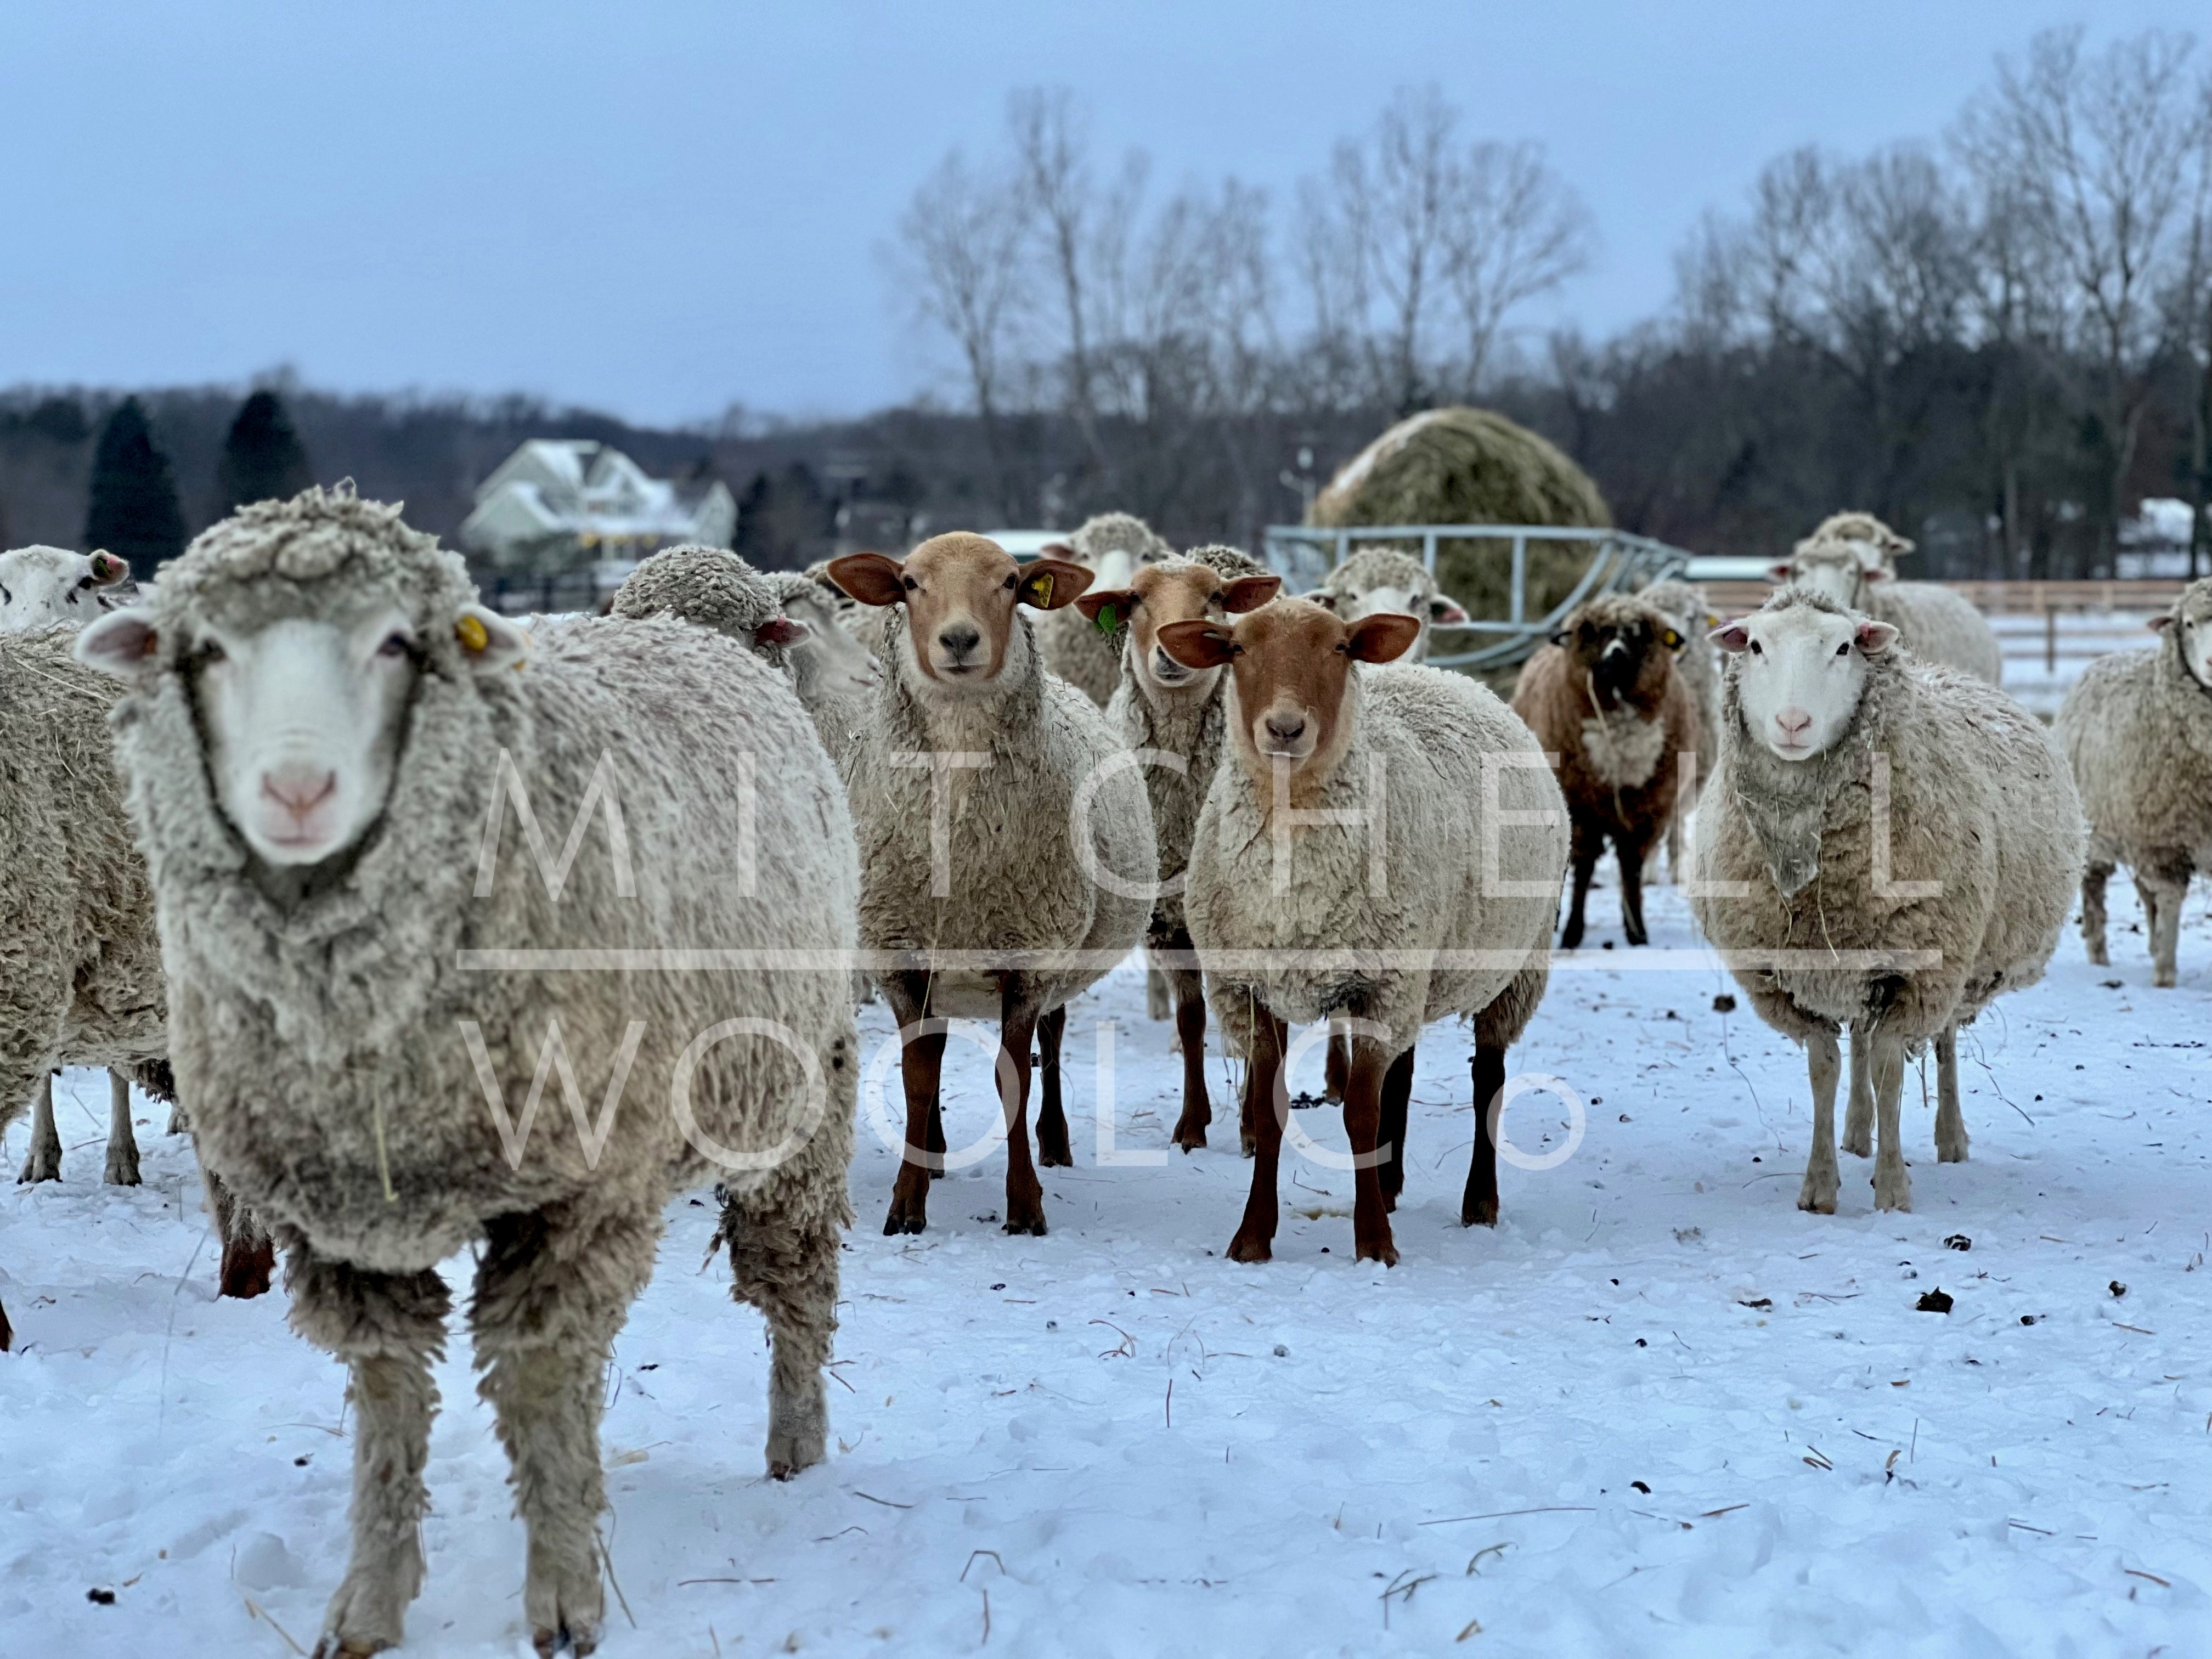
<point>300,631</point>
<point>960,592</point>
<point>1620,648</point>
<point>1292,693</point>
<point>1161,595</point>
<point>2189,625</point>
<point>41,587</point>
<point>1839,569</point>
<point>1373,587</point>
<point>1803,669</point>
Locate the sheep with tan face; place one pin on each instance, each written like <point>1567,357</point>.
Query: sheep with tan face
<point>1380,845</point>
<point>374,977</point>
<point>1171,714</point>
<point>1113,547</point>
<point>1888,846</point>
<point>2137,730</point>
<point>1006,846</point>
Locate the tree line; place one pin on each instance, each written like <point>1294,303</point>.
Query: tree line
<point>1998,338</point>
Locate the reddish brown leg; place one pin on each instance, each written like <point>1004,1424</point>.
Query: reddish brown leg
<point>1189,988</point>
<point>7,1332</point>
<point>1266,1106</point>
<point>937,1136</point>
<point>249,1256</point>
<point>1336,1068</point>
<point>1397,1095</point>
<point>1363,1124</point>
<point>1017,1023</point>
<point>1052,1122</point>
<point>1479,1207</point>
<point>922,1063</point>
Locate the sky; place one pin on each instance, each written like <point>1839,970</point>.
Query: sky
<point>663,208</point>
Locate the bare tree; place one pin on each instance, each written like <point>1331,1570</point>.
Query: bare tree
<point>960,257</point>
<point>2095,152</point>
<point>1519,232</point>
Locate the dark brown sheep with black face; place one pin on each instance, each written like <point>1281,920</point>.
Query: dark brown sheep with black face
<point>1604,697</point>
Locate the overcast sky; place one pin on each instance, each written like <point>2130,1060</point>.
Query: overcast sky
<point>656,208</point>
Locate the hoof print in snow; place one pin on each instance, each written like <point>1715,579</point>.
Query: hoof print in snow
<point>105,1598</point>
<point>1933,1302</point>
<point>1723,1004</point>
<point>2116,1288</point>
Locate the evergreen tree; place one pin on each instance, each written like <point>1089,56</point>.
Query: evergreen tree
<point>262,458</point>
<point>134,512</point>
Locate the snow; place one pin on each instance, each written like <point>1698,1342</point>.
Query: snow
<point>1112,1441</point>
<point>2041,676</point>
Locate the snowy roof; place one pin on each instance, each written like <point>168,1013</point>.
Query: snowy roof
<point>574,487</point>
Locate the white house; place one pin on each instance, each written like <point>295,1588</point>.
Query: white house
<point>575,499</point>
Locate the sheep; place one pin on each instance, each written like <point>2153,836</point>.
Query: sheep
<point>1376,580</point>
<point>53,587</point>
<point>2136,728</point>
<point>835,673</point>
<point>998,821</point>
<point>1347,864</point>
<point>1111,546</point>
<point>1603,696</point>
<point>83,984</point>
<point>1698,664</point>
<point>1842,761</point>
<point>321,732</point>
<point>1172,716</point>
<point>1852,558</point>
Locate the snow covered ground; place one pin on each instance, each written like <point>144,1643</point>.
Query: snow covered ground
<point>2041,664</point>
<point>1658,1411</point>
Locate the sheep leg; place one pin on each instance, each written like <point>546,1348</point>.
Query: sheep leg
<point>122,1144</point>
<point>1587,849</point>
<point>1157,988</point>
<point>389,1328</point>
<point>1266,1105</point>
<point>789,1271</point>
<point>2092,912</point>
<point>1631,851</point>
<point>1478,1206</point>
<point>1018,1022</point>
<point>2164,891</point>
<point>552,1292</point>
<point>179,1123</point>
<point>1053,1150</point>
<point>935,1145</point>
<point>1950,1122</point>
<point>922,1063</point>
<point>1336,1066</point>
<point>1397,1097</point>
<point>1893,1186</point>
<point>1858,1116</point>
<point>1363,1128</point>
<point>1190,1027</point>
<point>1823,1060</point>
<point>248,1255</point>
<point>45,1161</point>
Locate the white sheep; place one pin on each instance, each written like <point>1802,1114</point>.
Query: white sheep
<point>1852,558</point>
<point>1379,580</point>
<point>2136,728</point>
<point>324,737</point>
<point>1006,852</point>
<point>1111,546</point>
<point>1172,715</point>
<point>1697,663</point>
<point>1379,845</point>
<point>1888,846</point>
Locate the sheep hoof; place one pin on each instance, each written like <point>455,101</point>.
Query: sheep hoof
<point>551,1642</point>
<point>41,1165</point>
<point>1190,1131</point>
<point>1859,1143</point>
<point>1250,1146</point>
<point>1386,1253</point>
<point>1953,1153</point>
<point>1247,1246</point>
<point>1479,1212</point>
<point>352,1647</point>
<point>1816,1200</point>
<point>2099,956</point>
<point>1892,1189</point>
<point>1058,1156</point>
<point>246,1268</point>
<point>122,1169</point>
<point>2163,978</point>
<point>1031,1224</point>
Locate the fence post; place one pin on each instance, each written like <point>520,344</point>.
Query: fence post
<point>1520,612</point>
<point>2049,638</point>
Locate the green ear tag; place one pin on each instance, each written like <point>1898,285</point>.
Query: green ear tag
<point>1107,622</point>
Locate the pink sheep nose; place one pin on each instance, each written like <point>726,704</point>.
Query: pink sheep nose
<point>299,790</point>
<point>1795,723</point>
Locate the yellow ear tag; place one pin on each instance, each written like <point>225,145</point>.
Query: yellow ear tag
<point>471,633</point>
<point>1041,586</point>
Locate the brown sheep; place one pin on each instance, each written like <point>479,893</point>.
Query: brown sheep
<point>1604,697</point>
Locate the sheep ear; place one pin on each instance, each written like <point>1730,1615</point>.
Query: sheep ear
<point>122,643</point>
<point>1109,607</point>
<point>1199,644</point>
<point>107,569</point>
<point>782,630</point>
<point>1731,637</point>
<point>871,578</point>
<point>1559,639</point>
<point>2160,624</point>
<point>1447,611</point>
<point>1779,570</point>
<point>489,641</point>
<point>1874,637</point>
<point>1249,593</point>
<point>1384,638</point>
<point>1058,550</point>
<point>1048,584</point>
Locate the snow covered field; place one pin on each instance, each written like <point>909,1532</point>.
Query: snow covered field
<point>1658,1411</point>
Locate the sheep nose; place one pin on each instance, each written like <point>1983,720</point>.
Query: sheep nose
<point>1794,722</point>
<point>299,790</point>
<point>1286,729</point>
<point>960,638</point>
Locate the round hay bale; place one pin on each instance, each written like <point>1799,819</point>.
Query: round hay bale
<point>1461,465</point>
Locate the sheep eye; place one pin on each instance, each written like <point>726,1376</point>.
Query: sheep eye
<point>909,584</point>
<point>84,581</point>
<point>395,645</point>
<point>1844,650</point>
<point>210,652</point>
<point>1756,651</point>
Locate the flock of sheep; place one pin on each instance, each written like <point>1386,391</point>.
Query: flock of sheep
<point>257,855</point>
